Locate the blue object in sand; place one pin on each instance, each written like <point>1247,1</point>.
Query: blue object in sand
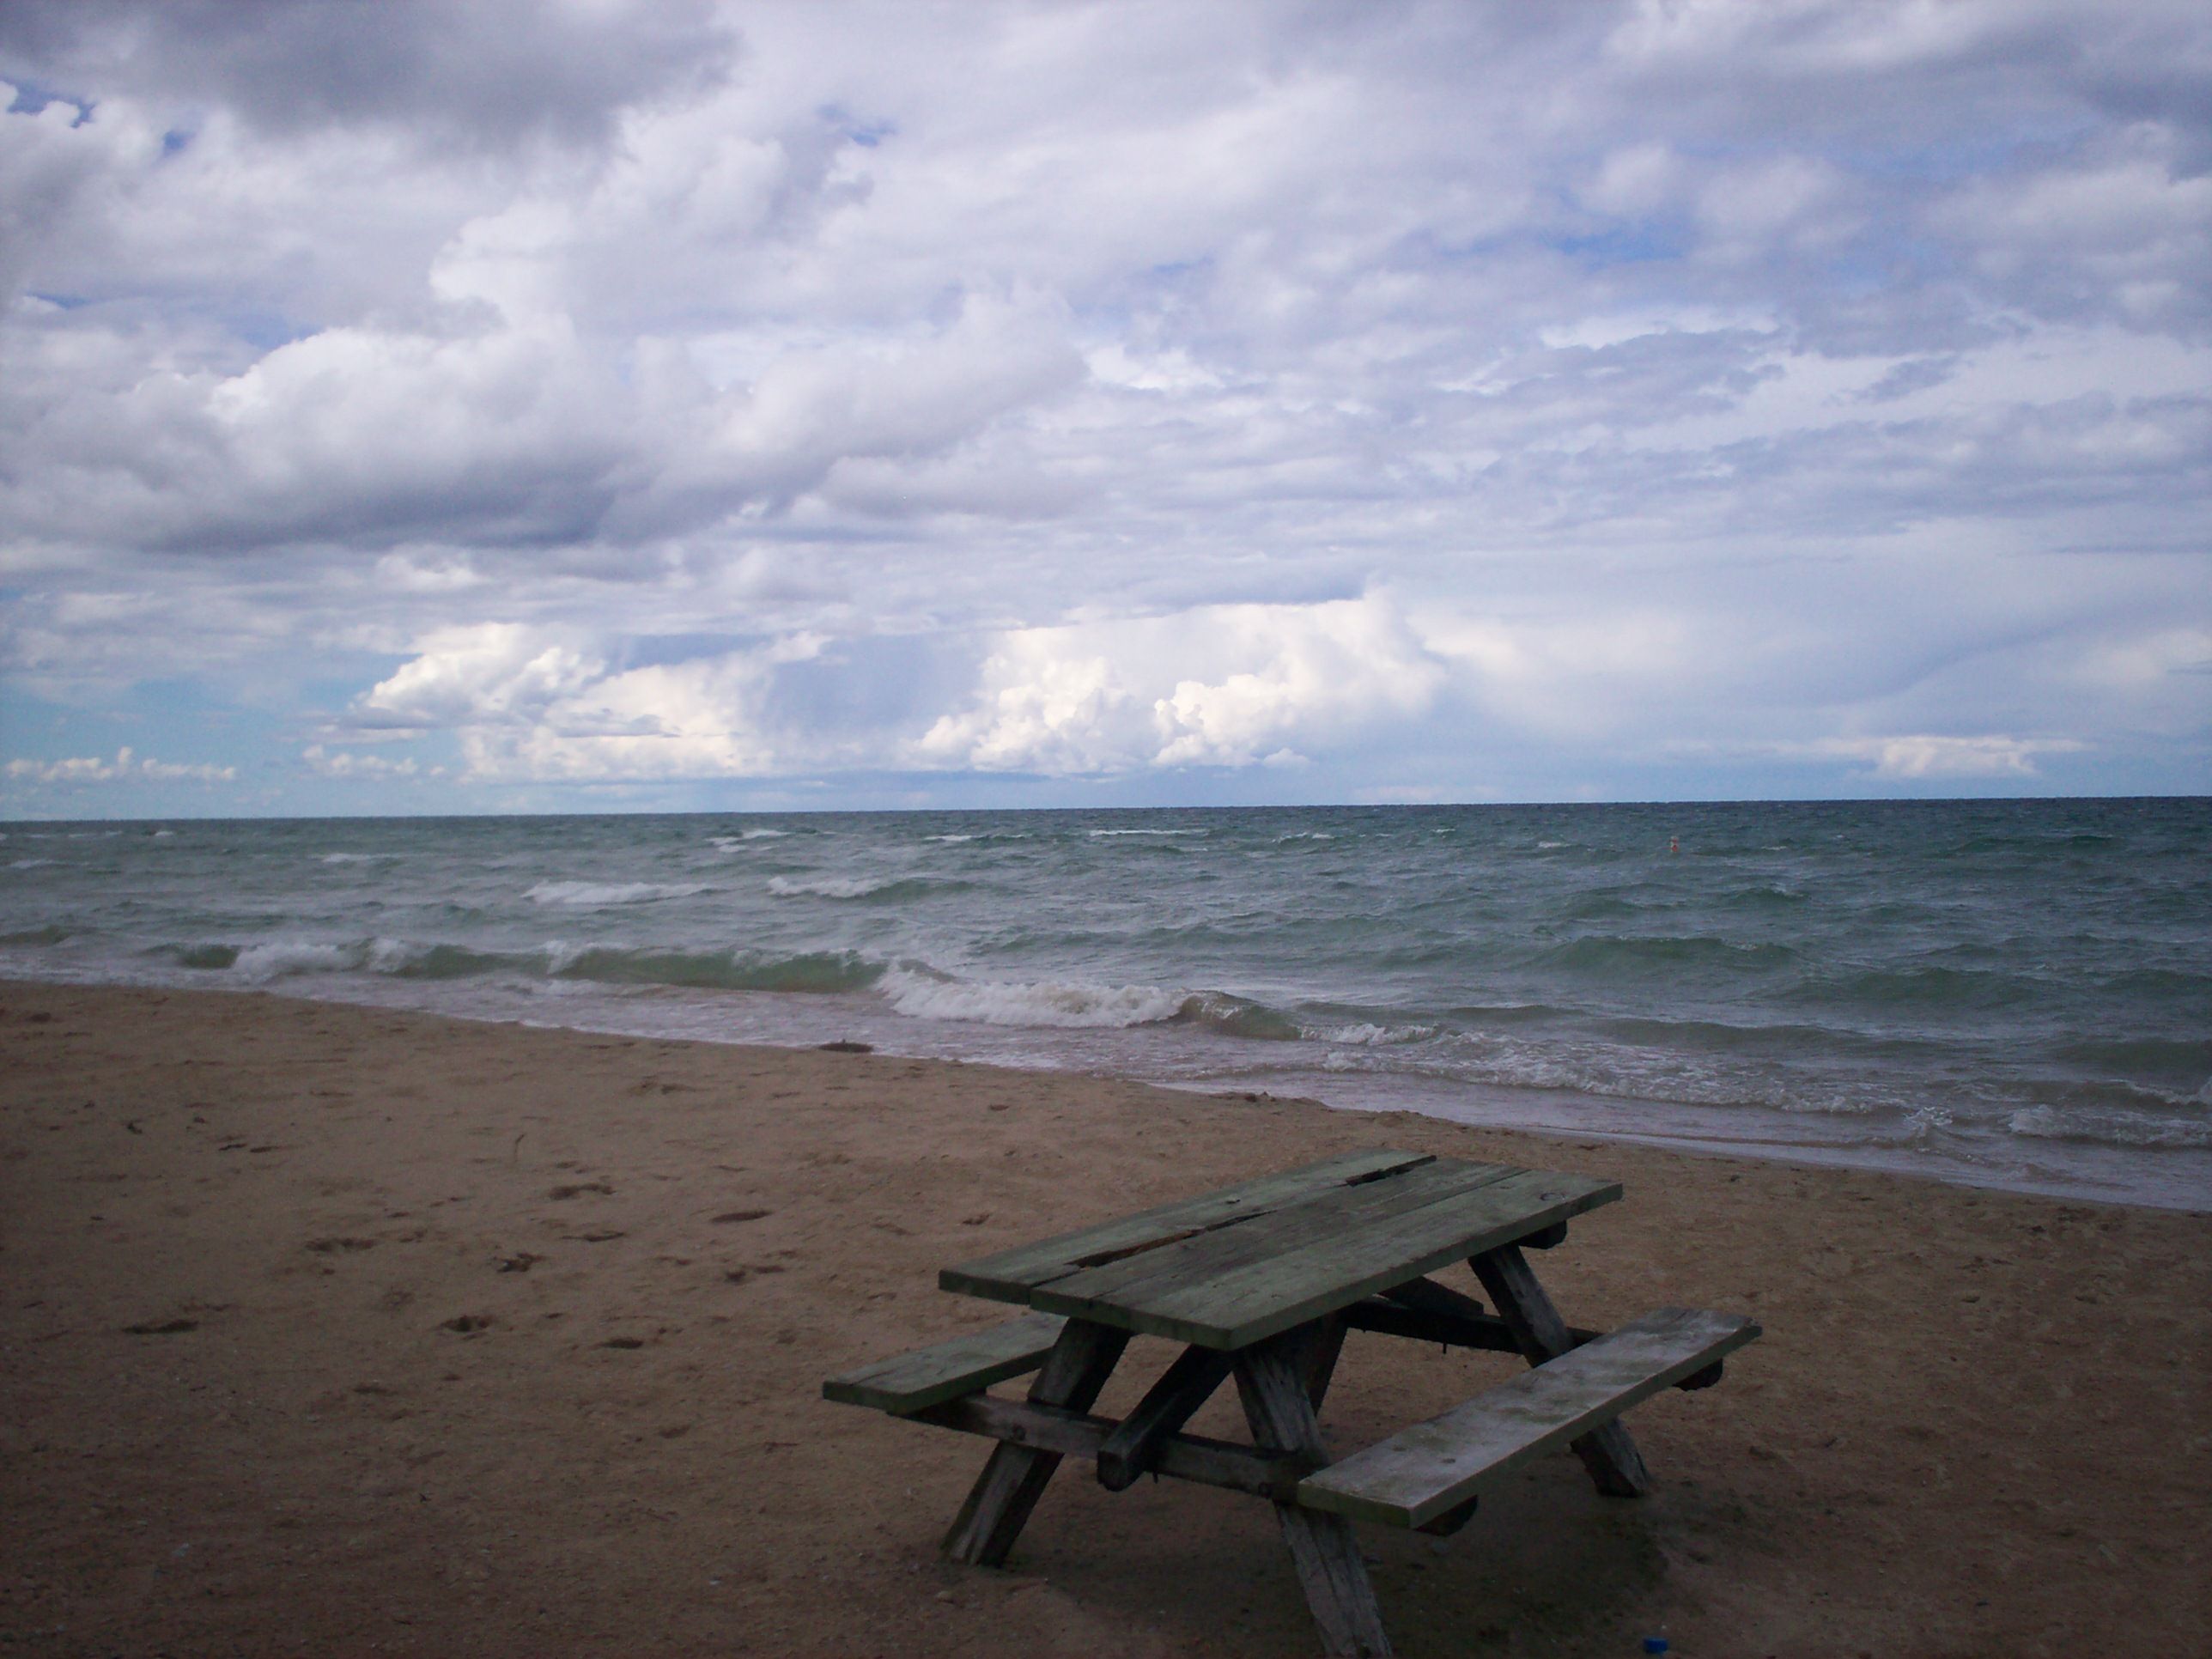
<point>1654,1645</point>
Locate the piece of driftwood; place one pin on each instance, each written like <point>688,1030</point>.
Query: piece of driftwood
<point>1614,1464</point>
<point>1422,1475</point>
<point>1271,1381</point>
<point>1015,1477</point>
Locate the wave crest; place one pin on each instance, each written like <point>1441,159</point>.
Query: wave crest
<point>2109,1129</point>
<point>1066,1003</point>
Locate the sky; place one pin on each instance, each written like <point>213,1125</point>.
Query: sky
<point>589,405</point>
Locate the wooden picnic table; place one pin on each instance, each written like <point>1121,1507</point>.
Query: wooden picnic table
<point>1261,1281</point>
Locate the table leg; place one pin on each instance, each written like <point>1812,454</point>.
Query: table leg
<point>999,1503</point>
<point>1321,1365</point>
<point>1608,1452</point>
<point>1272,1379</point>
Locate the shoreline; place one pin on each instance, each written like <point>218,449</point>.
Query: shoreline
<point>2139,1178</point>
<point>1977,1422</point>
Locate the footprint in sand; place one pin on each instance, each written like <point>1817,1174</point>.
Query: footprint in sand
<point>578,1188</point>
<point>522,1262</point>
<point>468,1324</point>
<point>165,1328</point>
<point>742,1215</point>
<point>623,1342</point>
<point>340,1246</point>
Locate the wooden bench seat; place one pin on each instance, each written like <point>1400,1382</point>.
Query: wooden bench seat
<point>929,1377</point>
<point>1426,1472</point>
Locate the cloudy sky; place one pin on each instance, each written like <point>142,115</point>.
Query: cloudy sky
<point>440,406</point>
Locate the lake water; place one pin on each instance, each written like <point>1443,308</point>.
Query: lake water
<point>2012,994</point>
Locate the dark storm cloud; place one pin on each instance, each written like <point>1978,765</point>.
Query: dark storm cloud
<point>489,71</point>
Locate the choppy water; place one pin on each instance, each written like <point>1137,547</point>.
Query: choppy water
<point>2015,993</point>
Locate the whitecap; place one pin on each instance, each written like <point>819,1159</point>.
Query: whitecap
<point>1039,1002</point>
<point>1367,1035</point>
<point>562,955</point>
<point>1098,833</point>
<point>280,958</point>
<point>731,843</point>
<point>393,956</point>
<point>582,893</point>
<point>839,887</point>
<point>28,864</point>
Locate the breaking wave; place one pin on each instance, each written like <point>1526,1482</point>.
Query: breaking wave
<point>2109,1128</point>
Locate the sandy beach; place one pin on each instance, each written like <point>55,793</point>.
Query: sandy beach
<point>329,1329</point>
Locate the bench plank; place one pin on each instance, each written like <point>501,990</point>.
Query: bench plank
<point>1426,1471</point>
<point>1009,1275</point>
<point>928,1376</point>
<point>1234,1304</point>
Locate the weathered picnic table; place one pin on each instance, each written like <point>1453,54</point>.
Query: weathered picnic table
<point>1261,1281</point>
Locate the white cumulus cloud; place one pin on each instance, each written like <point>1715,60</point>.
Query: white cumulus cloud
<point>127,766</point>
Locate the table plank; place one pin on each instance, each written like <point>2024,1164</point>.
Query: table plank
<point>1011,1275</point>
<point>1205,1257</point>
<point>1259,1297</point>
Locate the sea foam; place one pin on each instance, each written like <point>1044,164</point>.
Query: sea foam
<point>583,893</point>
<point>836,887</point>
<point>1066,1003</point>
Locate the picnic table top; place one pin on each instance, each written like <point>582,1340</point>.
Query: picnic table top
<point>1232,1267</point>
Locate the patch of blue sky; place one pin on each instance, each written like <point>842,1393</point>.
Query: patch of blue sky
<point>31,98</point>
<point>868,135</point>
<point>1953,160</point>
<point>666,650</point>
<point>258,326</point>
<point>183,720</point>
<point>1623,244</point>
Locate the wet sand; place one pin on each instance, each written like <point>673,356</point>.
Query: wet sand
<point>335,1330</point>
